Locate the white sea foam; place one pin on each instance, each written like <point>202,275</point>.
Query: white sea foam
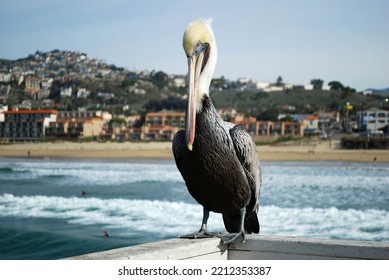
<point>326,176</point>
<point>94,172</point>
<point>163,218</point>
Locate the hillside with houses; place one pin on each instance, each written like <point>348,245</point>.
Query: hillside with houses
<point>67,95</point>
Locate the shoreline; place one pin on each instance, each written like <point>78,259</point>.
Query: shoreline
<point>162,150</point>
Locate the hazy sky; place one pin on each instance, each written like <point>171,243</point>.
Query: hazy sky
<point>344,40</point>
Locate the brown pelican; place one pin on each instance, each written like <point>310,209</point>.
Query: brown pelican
<point>217,159</point>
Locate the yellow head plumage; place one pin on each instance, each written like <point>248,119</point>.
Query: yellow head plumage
<point>197,31</point>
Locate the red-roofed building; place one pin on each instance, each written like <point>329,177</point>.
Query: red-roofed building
<point>162,125</point>
<point>76,128</point>
<point>26,124</point>
<point>311,125</point>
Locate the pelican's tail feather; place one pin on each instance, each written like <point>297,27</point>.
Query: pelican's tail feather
<point>231,223</point>
<point>251,223</point>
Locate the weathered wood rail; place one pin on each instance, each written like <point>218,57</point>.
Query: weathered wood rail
<point>256,247</point>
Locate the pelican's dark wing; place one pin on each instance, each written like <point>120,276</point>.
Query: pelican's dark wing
<point>178,147</point>
<point>246,151</point>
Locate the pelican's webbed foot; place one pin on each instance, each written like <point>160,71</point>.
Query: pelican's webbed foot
<point>201,234</point>
<point>239,237</point>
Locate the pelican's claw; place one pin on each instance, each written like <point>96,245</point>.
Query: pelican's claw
<point>233,238</point>
<point>201,234</point>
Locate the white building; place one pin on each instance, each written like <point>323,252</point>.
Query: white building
<point>372,120</point>
<point>104,115</point>
<point>83,93</point>
<point>47,82</point>
<point>273,88</point>
<point>308,87</point>
<point>179,82</point>
<point>288,86</point>
<point>251,85</point>
<point>3,108</point>
<point>5,77</point>
<point>66,92</point>
<point>367,92</point>
<point>243,80</point>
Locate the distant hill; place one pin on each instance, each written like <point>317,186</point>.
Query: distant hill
<point>379,90</point>
<point>143,91</point>
<point>382,92</point>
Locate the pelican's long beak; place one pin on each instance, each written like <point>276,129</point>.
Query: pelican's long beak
<point>194,70</point>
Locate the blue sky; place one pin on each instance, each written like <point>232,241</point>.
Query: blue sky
<point>344,40</point>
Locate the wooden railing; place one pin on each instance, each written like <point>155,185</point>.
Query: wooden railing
<point>255,247</point>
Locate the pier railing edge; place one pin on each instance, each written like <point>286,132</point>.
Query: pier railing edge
<point>255,247</point>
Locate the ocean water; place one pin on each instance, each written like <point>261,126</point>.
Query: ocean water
<point>56,208</point>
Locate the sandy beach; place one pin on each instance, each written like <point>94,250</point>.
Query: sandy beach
<point>162,150</point>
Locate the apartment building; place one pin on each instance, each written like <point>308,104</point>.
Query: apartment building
<point>26,124</point>
<point>78,124</point>
<point>162,125</point>
<point>267,128</point>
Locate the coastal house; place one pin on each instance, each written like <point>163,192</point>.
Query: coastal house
<point>47,82</point>
<point>5,77</point>
<point>372,120</point>
<point>253,85</point>
<point>93,127</point>
<point>4,92</point>
<point>26,124</point>
<point>311,125</point>
<point>83,93</point>
<point>77,124</point>
<point>273,88</point>
<point>32,85</point>
<point>76,128</point>
<point>289,128</point>
<point>288,86</point>
<point>131,134</point>
<point>265,128</point>
<point>66,91</point>
<point>162,125</point>
<point>43,93</point>
<point>259,129</point>
<point>158,132</point>
<point>179,81</point>
<point>106,95</point>
<point>165,117</point>
<point>327,118</point>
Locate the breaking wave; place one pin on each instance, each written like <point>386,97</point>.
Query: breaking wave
<point>167,218</point>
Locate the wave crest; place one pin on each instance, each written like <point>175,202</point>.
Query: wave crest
<point>166,218</point>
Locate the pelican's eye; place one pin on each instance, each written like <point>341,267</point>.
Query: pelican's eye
<point>197,48</point>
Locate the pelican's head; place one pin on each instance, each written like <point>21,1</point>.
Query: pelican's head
<point>200,48</point>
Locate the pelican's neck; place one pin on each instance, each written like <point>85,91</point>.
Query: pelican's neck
<point>206,76</point>
<point>209,126</point>
<point>208,115</point>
